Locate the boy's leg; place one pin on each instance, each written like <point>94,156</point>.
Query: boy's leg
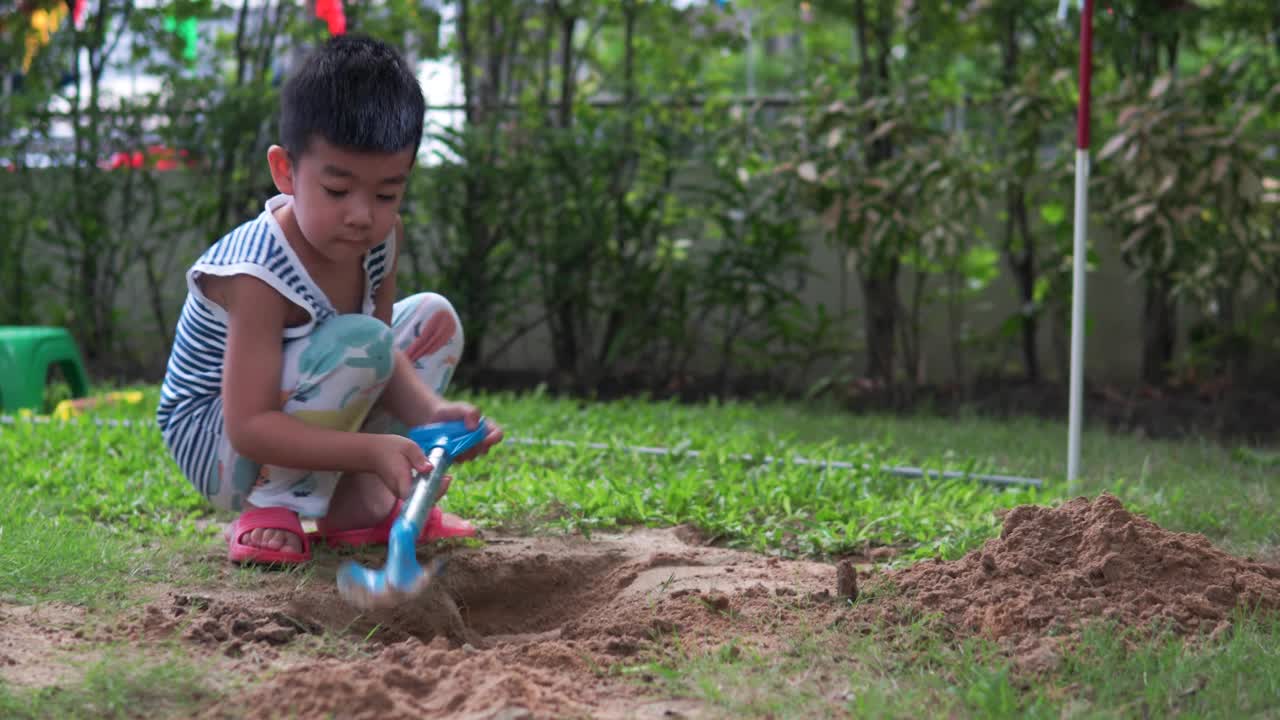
<point>427,329</point>
<point>332,378</point>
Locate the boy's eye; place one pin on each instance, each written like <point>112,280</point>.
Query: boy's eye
<point>335,193</point>
<point>387,198</point>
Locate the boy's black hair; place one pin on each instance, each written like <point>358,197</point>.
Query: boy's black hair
<point>357,93</point>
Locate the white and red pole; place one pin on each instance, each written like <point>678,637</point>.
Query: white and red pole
<point>1080,256</point>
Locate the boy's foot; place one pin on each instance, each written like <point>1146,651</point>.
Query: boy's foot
<point>268,535</point>
<point>356,524</point>
<point>440,525</point>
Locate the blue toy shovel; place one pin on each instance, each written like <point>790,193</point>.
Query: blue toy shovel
<point>403,578</point>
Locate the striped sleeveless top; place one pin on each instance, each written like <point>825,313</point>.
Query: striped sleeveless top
<point>190,408</point>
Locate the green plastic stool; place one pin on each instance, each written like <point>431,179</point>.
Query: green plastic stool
<point>26,354</point>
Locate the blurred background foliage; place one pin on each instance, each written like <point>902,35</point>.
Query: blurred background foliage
<point>653,189</point>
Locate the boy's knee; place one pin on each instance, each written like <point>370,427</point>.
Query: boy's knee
<point>435,320</point>
<point>427,304</point>
<point>358,341</point>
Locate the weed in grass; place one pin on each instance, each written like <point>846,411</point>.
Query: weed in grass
<point>46,556</point>
<point>1237,676</point>
<point>119,475</point>
<point>912,670</point>
<point>1259,458</point>
<point>116,686</point>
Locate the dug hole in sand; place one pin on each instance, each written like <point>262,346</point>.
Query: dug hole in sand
<point>522,627</point>
<point>531,626</point>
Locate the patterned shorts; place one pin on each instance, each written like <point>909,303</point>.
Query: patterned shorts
<point>333,378</point>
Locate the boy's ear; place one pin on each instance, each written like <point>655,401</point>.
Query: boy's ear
<point>281,169</point>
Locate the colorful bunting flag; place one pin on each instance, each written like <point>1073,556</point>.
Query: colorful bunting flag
<point>187,30</point>
<point>43,23</point>
<point>331,12</point>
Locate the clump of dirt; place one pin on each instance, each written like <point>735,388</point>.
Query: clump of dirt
<point>218,622</point>
<point>416,679</point>
<point>1053,570</point>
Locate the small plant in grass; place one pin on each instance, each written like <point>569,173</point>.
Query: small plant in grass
<point>115,686</point>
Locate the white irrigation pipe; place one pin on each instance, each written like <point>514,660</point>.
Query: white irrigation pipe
<point>901,471</point>
<point>825,464</point>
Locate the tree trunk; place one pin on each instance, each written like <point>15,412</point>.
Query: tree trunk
<point>232,132</point>
<point>568,27</point>
<point>908,327</point>
<point>548,47</point>
<point>568,295</point>
<point>475,289</point>
<point>1159,330</point>
<point>1159,309</point>
<point>491,81</point>
<point>471,189</point>
<point>465,60</point>
<point>16,308</point>
<point>572,279</point>
<point>1275,31</point>
<point>880,278</point>
<point>621,185</point>
<point>1023,264</point>
<point>955,323</point>
<point>880,317</point>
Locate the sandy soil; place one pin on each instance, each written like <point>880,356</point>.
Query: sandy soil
<point>533,627</point>
<point>524,627</point>
<point>39,644</point>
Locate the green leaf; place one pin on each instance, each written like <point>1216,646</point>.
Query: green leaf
<point>1053,213</point>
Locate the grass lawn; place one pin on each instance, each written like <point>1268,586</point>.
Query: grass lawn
<point>93,515</point>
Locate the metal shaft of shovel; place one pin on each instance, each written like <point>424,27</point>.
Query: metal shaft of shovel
<point>402,577</point>
<point>426,490</point>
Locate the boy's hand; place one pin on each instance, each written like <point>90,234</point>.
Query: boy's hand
<point>394,458</point>
<point>469,414</point>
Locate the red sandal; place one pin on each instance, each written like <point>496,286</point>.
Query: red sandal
<point>440,525</point>
<point>275,518</point>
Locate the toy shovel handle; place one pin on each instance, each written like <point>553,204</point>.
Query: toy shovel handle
<point>441,442</point>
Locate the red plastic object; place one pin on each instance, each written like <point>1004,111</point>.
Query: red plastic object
<point>1086,76</point>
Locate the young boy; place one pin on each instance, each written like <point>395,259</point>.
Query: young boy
<point>294,373</point>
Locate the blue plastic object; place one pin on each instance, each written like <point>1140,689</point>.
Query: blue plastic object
<point>452,436</point>
<point>403,577</point>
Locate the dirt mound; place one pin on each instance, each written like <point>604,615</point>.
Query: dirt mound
<point>523,627</point>
<point>1052,570</point>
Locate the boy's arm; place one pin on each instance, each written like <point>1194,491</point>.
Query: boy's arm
<point>256,425</point>
<point>406,397</point>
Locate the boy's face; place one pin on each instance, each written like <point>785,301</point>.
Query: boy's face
<point>345,201</point>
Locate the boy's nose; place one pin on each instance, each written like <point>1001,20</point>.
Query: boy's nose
<point>359,214</point>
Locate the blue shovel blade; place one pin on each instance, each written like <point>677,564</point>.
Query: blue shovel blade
<point>453,436</point>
